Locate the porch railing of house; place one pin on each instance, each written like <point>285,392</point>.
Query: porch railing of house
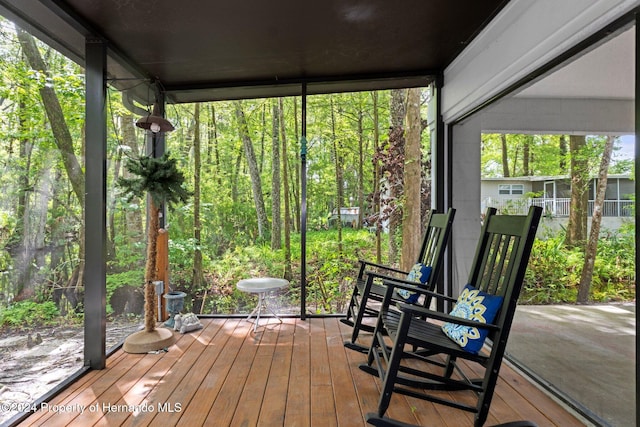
<point>555,207</point>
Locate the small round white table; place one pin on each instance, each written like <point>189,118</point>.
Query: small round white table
<point>261,286</point>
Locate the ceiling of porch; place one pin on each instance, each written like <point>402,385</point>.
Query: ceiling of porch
<point>606,71</point>
<point>211,50</point>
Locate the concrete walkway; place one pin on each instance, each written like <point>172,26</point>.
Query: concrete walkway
<point>587,352</point>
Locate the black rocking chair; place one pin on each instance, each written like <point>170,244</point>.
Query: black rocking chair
<point>495,280</point>
<point>369,289</point>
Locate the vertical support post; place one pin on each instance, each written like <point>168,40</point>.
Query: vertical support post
<point>637,189</point>
<point>448,276</point>
<point>440,200</point>
<point>95,209</point>
<point>303,207</point>
<point>436,127</point>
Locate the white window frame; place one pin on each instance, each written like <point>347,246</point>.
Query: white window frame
<point>511,189</point>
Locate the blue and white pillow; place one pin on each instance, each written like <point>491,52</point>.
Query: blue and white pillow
<point>419,273</point>
<point>477,306</point>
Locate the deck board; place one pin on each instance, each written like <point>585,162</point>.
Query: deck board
<point>273,409</point>
<point>294,373</point>
<point>347,409</point>
<point>298,409</point>
<point>253,393</point>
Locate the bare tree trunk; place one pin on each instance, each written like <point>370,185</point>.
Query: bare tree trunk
<point>297,180</point>
<point>236,175</point>
<point>256,183</point>
<point>526,154</point>
<point>62,137</point>
<point>59,234</point>
<point>376,176</point>
<point>134,222</point>
<point>337,153</point>
<point>515,162</point>
<point>577,226</point>
<point>125,123</point>
<point>562,147</point>
<point>30,256</point>
<point>276,216</point>
<point>198,276</point>
<point>411,231</point>
<point>396,142</point>
<point>212,145</point>
<point>288,273</point>
<point>360,166</point>
<point>263,128</point>
<point>596,219</point>
<point>118,122</point>
<point>19,247</point>
<point>505,158</point>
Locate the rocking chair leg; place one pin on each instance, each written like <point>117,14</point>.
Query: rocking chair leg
<point>356,323</point>
<point>374,346</point>
<point>393,365</point>
<point>450,364</point>
<point>388,385</point>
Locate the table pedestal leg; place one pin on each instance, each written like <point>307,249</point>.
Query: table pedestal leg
<point>262,303</point>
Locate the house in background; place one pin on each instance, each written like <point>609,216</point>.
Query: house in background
<point>348,215</point>
<point>514,195</point>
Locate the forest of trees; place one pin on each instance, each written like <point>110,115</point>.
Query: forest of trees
<point>242,159</point>
<point>242,162</point>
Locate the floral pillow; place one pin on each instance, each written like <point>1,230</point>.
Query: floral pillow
<point>477,306</point>
<point>419,273</point>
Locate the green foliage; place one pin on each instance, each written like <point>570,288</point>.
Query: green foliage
<point>545,153</point>
<point>554,271</point>
<point>29,313</point>
<point>130,254</point>
<point>224,272</point>
<point>119,280</point>
<point>514,206</point>
<point>331,274</point>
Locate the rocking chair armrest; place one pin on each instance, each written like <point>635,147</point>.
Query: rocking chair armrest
<point>371,275</point>
<point>412,286</point>
<point>425,312</point>
<point>380,266</point>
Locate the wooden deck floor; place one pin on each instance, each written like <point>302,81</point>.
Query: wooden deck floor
<point>294,374</point>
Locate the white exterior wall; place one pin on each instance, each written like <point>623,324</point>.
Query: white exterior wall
<point>489,188</point>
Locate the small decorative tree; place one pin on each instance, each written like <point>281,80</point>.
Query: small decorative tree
<point>160,179</point>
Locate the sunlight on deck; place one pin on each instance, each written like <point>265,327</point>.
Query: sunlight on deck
<point>296,373</point>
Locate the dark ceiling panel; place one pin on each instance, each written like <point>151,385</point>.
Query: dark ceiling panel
<point>196,47</point>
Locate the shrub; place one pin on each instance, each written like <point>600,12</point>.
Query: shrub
<point>29,313</point>
<point>553,274</point>
<point>133,278</point>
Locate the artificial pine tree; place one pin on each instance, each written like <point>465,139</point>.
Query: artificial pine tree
<point>160,179</point>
